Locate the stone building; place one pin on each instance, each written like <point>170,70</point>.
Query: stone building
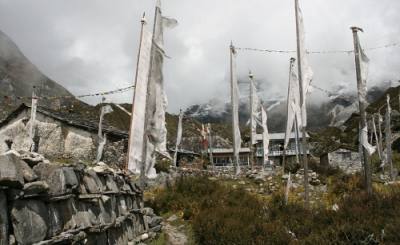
<point>344,158</point>
<point>57,135</point>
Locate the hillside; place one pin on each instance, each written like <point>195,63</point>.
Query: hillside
<point>19,76</point>
<point>347,134</point>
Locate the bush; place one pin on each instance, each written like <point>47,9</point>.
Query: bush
<point>163,165</point>
<point>222,215</point>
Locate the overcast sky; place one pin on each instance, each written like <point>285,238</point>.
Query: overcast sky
<point>91,45</point>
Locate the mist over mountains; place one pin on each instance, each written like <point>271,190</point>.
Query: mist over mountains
<point>18,76</point>
<point>338,106</point>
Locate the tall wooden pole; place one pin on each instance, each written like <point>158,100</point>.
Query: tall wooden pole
<point>297,139</point>
<point>389,137</point>
<point>143,22</point>
<point>210,144</point>
<point>380,135</point>
<point>235,153</point>
<point>251,76</point>
<point>143,168</point>
<point>303,128</point>
<point>362,106</point>
<point>292,60</point>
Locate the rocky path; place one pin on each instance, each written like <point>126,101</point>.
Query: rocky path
<point>174,235</point>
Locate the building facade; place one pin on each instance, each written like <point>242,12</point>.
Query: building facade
<point>223,157</point>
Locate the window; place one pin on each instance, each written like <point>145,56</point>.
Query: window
<point>346,155</point>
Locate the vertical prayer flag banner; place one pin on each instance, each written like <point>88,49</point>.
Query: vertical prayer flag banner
<point>362,94</point>
<point>33,121</point>
<point>136,144</point>
<point>155,128</point>
<point>388,135</point>
<point>102,138</point>
<point>378,146</point>
<point>235,110</point>
<point>178,136</point>
<point>364,141</point>
<point>293,102</point>
<point>255,112</point>
<point>265,134</point>
<point>364,63</point>
<point>306,71</point>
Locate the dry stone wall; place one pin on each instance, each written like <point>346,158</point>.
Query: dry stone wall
<point>45,203</point>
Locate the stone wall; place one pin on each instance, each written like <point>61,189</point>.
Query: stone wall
<point>45,203</point>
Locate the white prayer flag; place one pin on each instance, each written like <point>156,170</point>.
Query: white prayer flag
<point>102,138</point>
<point>235,110</point>
<point>136,144</point>
<point>178,136</point>
<point>306,71</point>
<point>364,64</point>
<point>156,130</point>
<point>255,113</point>
<point>33,121</point>
<point>265,134</point>
<point>388,135</point>
<point>378,146</point>
<point>364,141</point>
<point>102,143</point>
<point>293,104</point>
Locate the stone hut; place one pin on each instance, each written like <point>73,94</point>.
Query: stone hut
<point>57,135</point>
<point>342,157</point>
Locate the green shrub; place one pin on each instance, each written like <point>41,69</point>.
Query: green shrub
<point>163,165</point>
<point>223,215</point>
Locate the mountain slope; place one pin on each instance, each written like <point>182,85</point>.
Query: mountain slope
<point>18,77</point>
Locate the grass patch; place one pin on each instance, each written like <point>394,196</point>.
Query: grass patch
<point>220,214</point>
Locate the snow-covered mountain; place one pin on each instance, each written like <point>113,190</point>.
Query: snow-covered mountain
<point>334,111</point>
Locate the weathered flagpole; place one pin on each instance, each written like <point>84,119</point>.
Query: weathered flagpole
<point>302,99</point>
<point>389,137</point>
<point>381,138</point>
<point>362,106</point>
<point>210,144</point>
<point>292,60</point>
<point>297,139</point>
<point>142,22</point>
<point>33,120</point>
<point>235,153</point>
<point>146,119</point>
<point>251,76</point>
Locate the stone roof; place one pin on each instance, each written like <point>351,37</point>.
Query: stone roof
<point>70,119</point>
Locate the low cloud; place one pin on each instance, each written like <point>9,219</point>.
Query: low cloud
<point>91,45</point>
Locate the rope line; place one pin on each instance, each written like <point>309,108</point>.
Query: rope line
<point>317,52</point>
<point>116,91</point>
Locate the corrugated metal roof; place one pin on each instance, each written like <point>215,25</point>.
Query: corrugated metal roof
<point>280,136</point>
<point>230,150</point>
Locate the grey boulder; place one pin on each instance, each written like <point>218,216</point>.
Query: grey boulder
<point>11,171</point>
<point>29,220</point>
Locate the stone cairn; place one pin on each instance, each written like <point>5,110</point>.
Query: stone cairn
<point>44,203</point>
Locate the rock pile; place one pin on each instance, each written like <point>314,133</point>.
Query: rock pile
<point>44,203</point>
